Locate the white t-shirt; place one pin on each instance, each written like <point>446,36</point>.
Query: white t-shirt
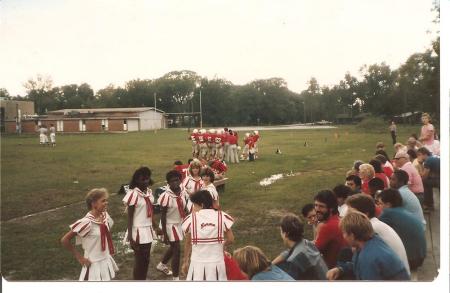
<point>391,238</point>
<point>342,210</point>
<point>207,228</point>
<point>191,185</point>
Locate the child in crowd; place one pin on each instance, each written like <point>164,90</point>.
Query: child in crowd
<point>207,232</point>
<point>173,211</point>
<point>141,222</point>
<point>93,233</point>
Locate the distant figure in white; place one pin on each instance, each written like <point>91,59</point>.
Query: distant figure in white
<point>52,135</point>
<point>43,138</point>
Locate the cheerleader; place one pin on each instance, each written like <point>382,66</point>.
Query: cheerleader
<point>52,135</point>
<point>207,232</point>
<point>93,233</point>
<point>140,234</point>
<point>193,182</point>
<point>208,184</point>
<point>173,210</point>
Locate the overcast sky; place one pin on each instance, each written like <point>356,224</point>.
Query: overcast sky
<point>103,41</point>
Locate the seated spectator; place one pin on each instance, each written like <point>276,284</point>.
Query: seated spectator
<point>257,266</point>
<point>355,169</point>
<point>379,172</point>
<point>329,239</point>
<point>431,175</point>
<point>366,205</point>
<point>383,153</point>
<point>366,172</point>
<point>375,185</point>
<point>388,169</point>
<point>373,258</point>
<point>342,192</point>
<point>309,214</point>
<point>410,202</point>
<point>302,260</point>
<point>407,226</point>
<point>379,146</point>
<point>402,162</point>
<point>413,143</point>
<point>354,182</point>
<point>399,147</point>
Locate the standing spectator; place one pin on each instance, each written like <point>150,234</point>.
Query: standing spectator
<point>408,227</point>
<point>329,239</point>
<point>207,232</point>
<point>402,162</point>
<point>373,258</point>
<point>257,266</point>
<point>354,182</point>
<point>410,202</point>
<point>366,172</point>
<point>355,169</point>
<point>93,232</point>
<point>427,134</point>
<point>366,205</point>
<point>173,206</point>
<point>393,130</point>
<point>233,141</point>
<point>431,175</point>
<point>342,192</point>
<point>141,222</point>
<point>302,261</point>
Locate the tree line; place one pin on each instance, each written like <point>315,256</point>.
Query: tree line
<point>380,90</point>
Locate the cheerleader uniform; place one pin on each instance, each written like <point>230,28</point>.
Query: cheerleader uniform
<point>213,191</point>
<point>142,231</point>
<point>176,207</point>
<point>207,228</point>
<point>95,238</point>
<point>190,185</point>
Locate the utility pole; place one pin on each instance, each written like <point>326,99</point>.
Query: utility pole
<point>201,117</point>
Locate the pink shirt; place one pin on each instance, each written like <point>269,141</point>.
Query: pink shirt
<point>426,129</point>
<point>415,181</point>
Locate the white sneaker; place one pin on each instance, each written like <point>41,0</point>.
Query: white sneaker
<point>164,268</point>
<point>176,278</point>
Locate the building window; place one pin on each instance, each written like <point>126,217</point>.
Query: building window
<point>125,125</point>
<point>59,125</point>
<point>105,124</point>
<point>82,125</point>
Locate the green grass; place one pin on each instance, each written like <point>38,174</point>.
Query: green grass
<point>36,179</point>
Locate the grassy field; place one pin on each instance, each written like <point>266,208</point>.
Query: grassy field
<point>37,179</point>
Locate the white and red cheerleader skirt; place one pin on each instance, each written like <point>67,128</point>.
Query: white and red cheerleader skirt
<point>141,235</point>
<point>207,271</point>
<point>102,270</point>
<point>174,232</point>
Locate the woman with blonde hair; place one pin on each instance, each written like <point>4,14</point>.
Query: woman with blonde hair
<point>366,172</point>
<point>93,232</point>
<point>257,266</point>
